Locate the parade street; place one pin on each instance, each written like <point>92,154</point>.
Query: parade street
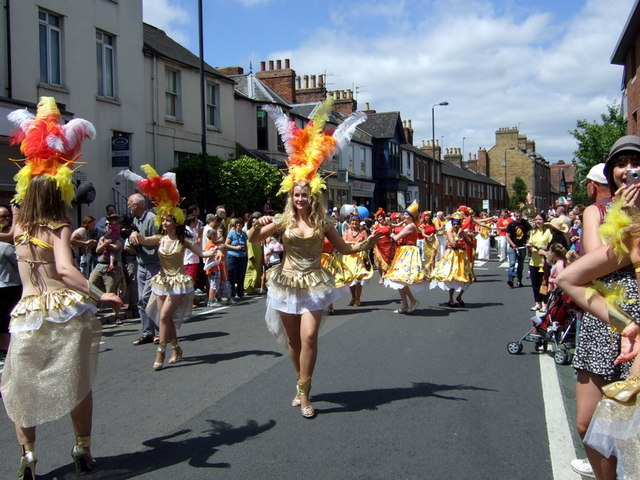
<point>428,395</point>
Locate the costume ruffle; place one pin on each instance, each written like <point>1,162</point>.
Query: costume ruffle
<point>178,284</point>
<point>49,370</point>
<point>58,306</point>
<point>295,293</point>
<point>453,270</point>
<point>342,275</point>
<point>357,263</point>
<point>615,430</point>
<point>407,269</point>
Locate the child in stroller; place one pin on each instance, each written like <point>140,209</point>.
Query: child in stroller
<point>555,326</point>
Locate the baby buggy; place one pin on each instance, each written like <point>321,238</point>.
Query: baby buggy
<point>556,327</point>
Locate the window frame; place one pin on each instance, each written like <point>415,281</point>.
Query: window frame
<point>215,105</point>
<point>175,95</point>
<point>47,56</point>
<point>103,47</point>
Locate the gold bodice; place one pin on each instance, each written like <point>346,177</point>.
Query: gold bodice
<point>171,256</point>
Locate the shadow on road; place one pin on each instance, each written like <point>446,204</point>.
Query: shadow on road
<point>223,357</point>
<point>202,336</point>
<point>163,452</point>
<point>372,399</point>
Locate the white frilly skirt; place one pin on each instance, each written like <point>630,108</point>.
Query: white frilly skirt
<point>295,293</point>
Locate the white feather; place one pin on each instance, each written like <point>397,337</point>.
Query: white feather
<point>76,131</point>
<point>21,118</point>
<point>129,175</point>
<point>171,176</point>
<point>56,143</point>
<point>345,131</point>
<point>282,122</point>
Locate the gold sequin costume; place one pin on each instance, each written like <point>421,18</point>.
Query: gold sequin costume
<point>615,426</point>
<point>171,280</point>
<point>52,357</point>
<point>305,286</point>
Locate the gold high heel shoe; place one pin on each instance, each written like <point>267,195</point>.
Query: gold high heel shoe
<point>304,388</point>
<point>27,469</point>
<point>160,352</point>
<point>176,352</point>
<point>81,455</point>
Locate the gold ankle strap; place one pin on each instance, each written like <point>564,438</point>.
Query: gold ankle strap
<point>174,344</point>
<point>27,447</point>
<point>83,442</point>
<point>162,346</point>
<point>304,388</point>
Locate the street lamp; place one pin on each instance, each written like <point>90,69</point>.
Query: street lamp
<point>433,144</point>
<point>463,139</point>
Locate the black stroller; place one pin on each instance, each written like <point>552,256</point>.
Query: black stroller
<point>556,327</point>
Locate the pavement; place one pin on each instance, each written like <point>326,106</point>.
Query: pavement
<point>433,394</point>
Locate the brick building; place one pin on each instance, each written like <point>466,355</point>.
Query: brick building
<point>514,155</point>
<point>625,54</point>
<point>563,178</point>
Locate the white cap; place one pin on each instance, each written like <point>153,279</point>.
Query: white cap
<point>596,174</point>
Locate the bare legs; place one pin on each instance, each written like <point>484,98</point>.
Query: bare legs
<point>356,291</point>
<point>81,419</point>
<point>407,300</point>
<point>302,333</point>
<point>167,306</point>
<point>588,394</point>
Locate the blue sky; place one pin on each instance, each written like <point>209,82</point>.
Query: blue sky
<point>540,66</point>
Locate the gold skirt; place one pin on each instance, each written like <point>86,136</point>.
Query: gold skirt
<point>49,370</point>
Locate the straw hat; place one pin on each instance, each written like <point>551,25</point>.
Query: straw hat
<point>558,224</point>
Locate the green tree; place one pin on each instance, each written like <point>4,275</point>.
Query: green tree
<point>520,191</point>
<point>594,142</point>
<point>241,184</point>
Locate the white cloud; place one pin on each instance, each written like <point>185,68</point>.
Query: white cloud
<point>497,69</point>
<point>169,16</point>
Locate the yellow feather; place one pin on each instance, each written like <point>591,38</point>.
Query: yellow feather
<point>149,171</point>
<point>615,228</point>
<point>22,179</point>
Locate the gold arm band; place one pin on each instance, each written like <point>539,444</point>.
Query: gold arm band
<point>94,292</point>
<point>366,244</point>
<point>636,266</point>
<point>257,226</point>
<point>618,320</point>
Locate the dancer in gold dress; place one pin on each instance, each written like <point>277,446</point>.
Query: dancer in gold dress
<point>55,335</point>
<point>299,289</point>
<point>172,288</point>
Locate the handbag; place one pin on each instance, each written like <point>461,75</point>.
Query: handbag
<point>544,288</point>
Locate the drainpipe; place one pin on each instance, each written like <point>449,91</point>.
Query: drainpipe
<point>7,13</point>
<point>154,110</point>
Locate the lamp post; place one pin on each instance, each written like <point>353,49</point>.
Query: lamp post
<point>433,146</point>
<point>203,119</point>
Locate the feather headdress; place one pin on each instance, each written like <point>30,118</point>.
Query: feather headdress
<point>49,147</point>
<point>162,190</point>
<point>309,147</point>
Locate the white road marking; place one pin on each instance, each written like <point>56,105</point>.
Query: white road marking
<point>561,449</point>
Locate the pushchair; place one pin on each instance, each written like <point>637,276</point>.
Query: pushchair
<point>556,327</point>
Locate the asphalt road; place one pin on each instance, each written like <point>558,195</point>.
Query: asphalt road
<point>430,395</point>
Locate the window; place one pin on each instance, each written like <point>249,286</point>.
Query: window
<point>50,38</point>
<point>213,109</point>
<point>172,94</point>
<point>262,130</point>
<point>105,58</point>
